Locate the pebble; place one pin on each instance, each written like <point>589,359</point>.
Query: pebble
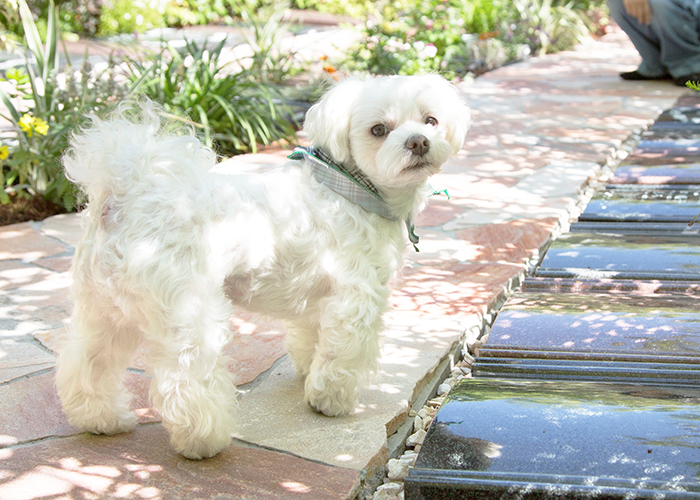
<point>388,491</point>
<point>417,423</point>
<point>443,389</point>
<point>397,469</point>
<point>416,438</point>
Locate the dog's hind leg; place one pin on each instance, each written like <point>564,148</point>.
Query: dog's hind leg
<point>91,365</point>
<point>192,387</point>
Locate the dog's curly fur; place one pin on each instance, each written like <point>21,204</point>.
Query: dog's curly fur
<point>170,248</point>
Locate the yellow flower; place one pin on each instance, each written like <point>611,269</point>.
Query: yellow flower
<point>30,124</point>
<point>4,152</point>
<point>41,127</point>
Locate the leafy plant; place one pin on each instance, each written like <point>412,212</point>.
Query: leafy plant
<point>545,27</point>
<point>454,37</point>
<point>43,113</point>
<point>264,32</point>
<point>234,111</point>
<point>425,36</point>
<point>9,22</point>
<point>129,16</point>
<point>188,12</point>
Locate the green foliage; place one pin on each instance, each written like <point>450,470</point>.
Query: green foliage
<point>193,12</point>
<point>43,114</point>
<point>545,27</point>
<point>454,37</point>
<point>235,112</point>
<point>9,24</point>
<point>352,8</point>
<point>425,37</point>
<point>264,32</point>
<point>129,16</point>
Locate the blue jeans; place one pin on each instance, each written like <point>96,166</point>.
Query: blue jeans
<point>671,44</point>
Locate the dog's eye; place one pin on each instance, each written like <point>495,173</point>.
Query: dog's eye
<point>379,130</point>
<point>431,121</point>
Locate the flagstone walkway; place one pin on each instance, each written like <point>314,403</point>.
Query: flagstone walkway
<point>543,132</point>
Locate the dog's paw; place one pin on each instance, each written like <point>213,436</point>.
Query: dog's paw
<point>329,408</point>
<point>331,402</point>
<point>197,448</point>
<point>101,424</point>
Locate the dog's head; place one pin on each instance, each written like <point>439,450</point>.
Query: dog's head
<point>398,130</point>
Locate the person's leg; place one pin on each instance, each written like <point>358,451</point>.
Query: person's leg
<point>676,24</point>
<point>643,37</point>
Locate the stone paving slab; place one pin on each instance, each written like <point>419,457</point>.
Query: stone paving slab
<point>141,465</point>
<point>542,129</point>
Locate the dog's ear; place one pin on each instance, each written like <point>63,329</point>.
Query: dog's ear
<point>454,108</point>
<point>461,117</point>
<point>327,123</point>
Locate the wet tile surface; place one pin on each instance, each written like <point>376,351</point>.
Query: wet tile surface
<point>639,228</point>
<point>623,256</point>
<point>593,440</point>
<point>679,118</point>
<point>643,205</point>
<point>662,325</point>
<point>682,174</point>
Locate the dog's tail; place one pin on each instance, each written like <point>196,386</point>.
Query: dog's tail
<point>135,143</point>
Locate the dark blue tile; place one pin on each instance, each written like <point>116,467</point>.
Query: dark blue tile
<point>681,174</point>
<point>623,256</point>
<point>535,439</point>
<point>639,228</point>
<point>613,323</point>
<point>638,204</point>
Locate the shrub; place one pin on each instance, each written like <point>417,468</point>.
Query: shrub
<point>454,37</point>
<point>426,37</point>
<point>43,114</point>
<point>9,24</point>
<point>130,16</point>
<point>264,33</point>
<point>234,111</point>
<point>190,12</point>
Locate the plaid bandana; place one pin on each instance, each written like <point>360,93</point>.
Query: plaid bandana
<point>352,185</point>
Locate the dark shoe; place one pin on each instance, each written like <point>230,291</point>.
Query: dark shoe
<point>636,75</point>
<point>681,80</point>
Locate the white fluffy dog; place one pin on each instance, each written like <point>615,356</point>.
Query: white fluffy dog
<point>170,247</point>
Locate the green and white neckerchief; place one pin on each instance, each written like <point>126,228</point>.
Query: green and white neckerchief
<point>352,185</point>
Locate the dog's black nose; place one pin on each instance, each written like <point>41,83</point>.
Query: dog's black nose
<point>418,144</point>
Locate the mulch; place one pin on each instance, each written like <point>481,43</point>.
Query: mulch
<point>28,209</point>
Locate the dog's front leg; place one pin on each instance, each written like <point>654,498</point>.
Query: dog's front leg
<point>347,350</point>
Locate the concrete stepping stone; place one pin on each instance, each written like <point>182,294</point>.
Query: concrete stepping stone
<point>631,204</point>
<point>623,256</point>
<point>495,438</point>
